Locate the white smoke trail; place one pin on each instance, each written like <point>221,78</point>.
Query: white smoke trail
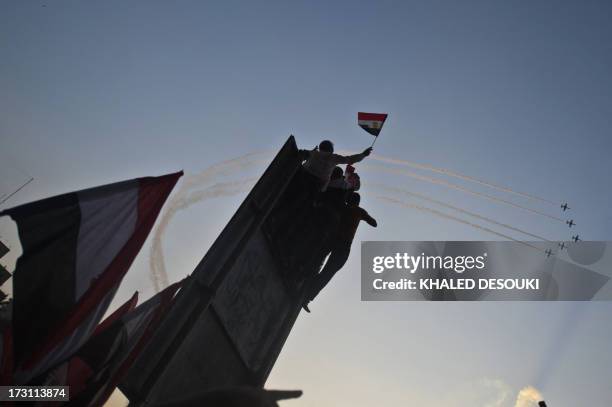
<point>227,167</point>
<point>456,219</point>
<point>460,176</point>
<point>185,197</point>
<point>456,208</point>
<point>528,397</point>
<point>156,259</point>
<point>399,171</point>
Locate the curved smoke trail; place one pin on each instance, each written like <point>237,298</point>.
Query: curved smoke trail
<point>399,171</point>
<point>460,176</point>
<point>456,208</point>
<point>221,189</point>
<point>456,219</point>
<point>185,196</point>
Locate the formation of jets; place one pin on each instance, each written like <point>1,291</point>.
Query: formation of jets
<point>565,207</point>
<point>570,223</point>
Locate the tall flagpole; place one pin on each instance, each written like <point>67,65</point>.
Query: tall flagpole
<point>375,138</point>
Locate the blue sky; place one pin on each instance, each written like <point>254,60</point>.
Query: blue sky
<point>518,93</point>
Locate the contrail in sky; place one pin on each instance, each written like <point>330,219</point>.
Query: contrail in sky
<point>456,219</point>
<point>460,176</point>
<point>221,189</point>
<point>455,208</point>
<point>411,174</point>
<point>190,192</point>
<point>196,188</point>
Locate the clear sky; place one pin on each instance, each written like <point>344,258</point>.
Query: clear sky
<point>518,93</point>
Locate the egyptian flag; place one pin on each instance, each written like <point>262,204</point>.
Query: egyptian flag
<point>79,369</point>
<point>110,353</point>
<point>371,122</point>
<point>76,249</point>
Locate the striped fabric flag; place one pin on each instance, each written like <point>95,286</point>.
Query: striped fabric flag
<point>99,350</point>
<point>121,341</point>
<point>76,249</point>
<point>371,122</point>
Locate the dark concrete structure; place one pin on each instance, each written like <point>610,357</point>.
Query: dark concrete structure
<point>231,319</point>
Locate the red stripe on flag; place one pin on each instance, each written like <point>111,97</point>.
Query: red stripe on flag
<point>77,375</point>
<point>167,296</point>
<point>379,117</point>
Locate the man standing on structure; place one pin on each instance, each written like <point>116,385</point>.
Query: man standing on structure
<point>340,245</point>
<point>320,163</point>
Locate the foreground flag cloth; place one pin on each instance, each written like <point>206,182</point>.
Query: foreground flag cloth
<point>78,370</point>
<point>110,353</point>
<point>76,249</point>
<point>371,122</point>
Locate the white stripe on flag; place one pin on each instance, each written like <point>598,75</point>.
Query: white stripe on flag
<point>69,344</point>
<point>141,316</point>
<point>108,221</point>
<point>375,124</point>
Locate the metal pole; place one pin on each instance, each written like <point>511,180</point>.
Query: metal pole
<point>17,190</point>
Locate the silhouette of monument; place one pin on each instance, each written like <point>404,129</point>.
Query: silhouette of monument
<point>230,320</point>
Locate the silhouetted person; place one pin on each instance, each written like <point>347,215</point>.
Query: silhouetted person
<point>337,179</point>
<point>335,194</point>
<point>352,179</point>
<point>340,244</point>
<point>321,162</point>
<point>294,219</point>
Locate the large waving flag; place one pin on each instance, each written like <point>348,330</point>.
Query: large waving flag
<point>111,352</point>
<point>76,249</point>
<point>99,350</point>
<point>371,122</point>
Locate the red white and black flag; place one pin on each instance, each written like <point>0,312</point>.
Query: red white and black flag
<point>113,348</point>
<point>371,122</point>
<point>92,357</point>
<point>76,249</point>
<point>95,370</point>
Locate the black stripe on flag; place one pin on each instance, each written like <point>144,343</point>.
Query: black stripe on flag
<point>372,131</point>
<point>44,284</point>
